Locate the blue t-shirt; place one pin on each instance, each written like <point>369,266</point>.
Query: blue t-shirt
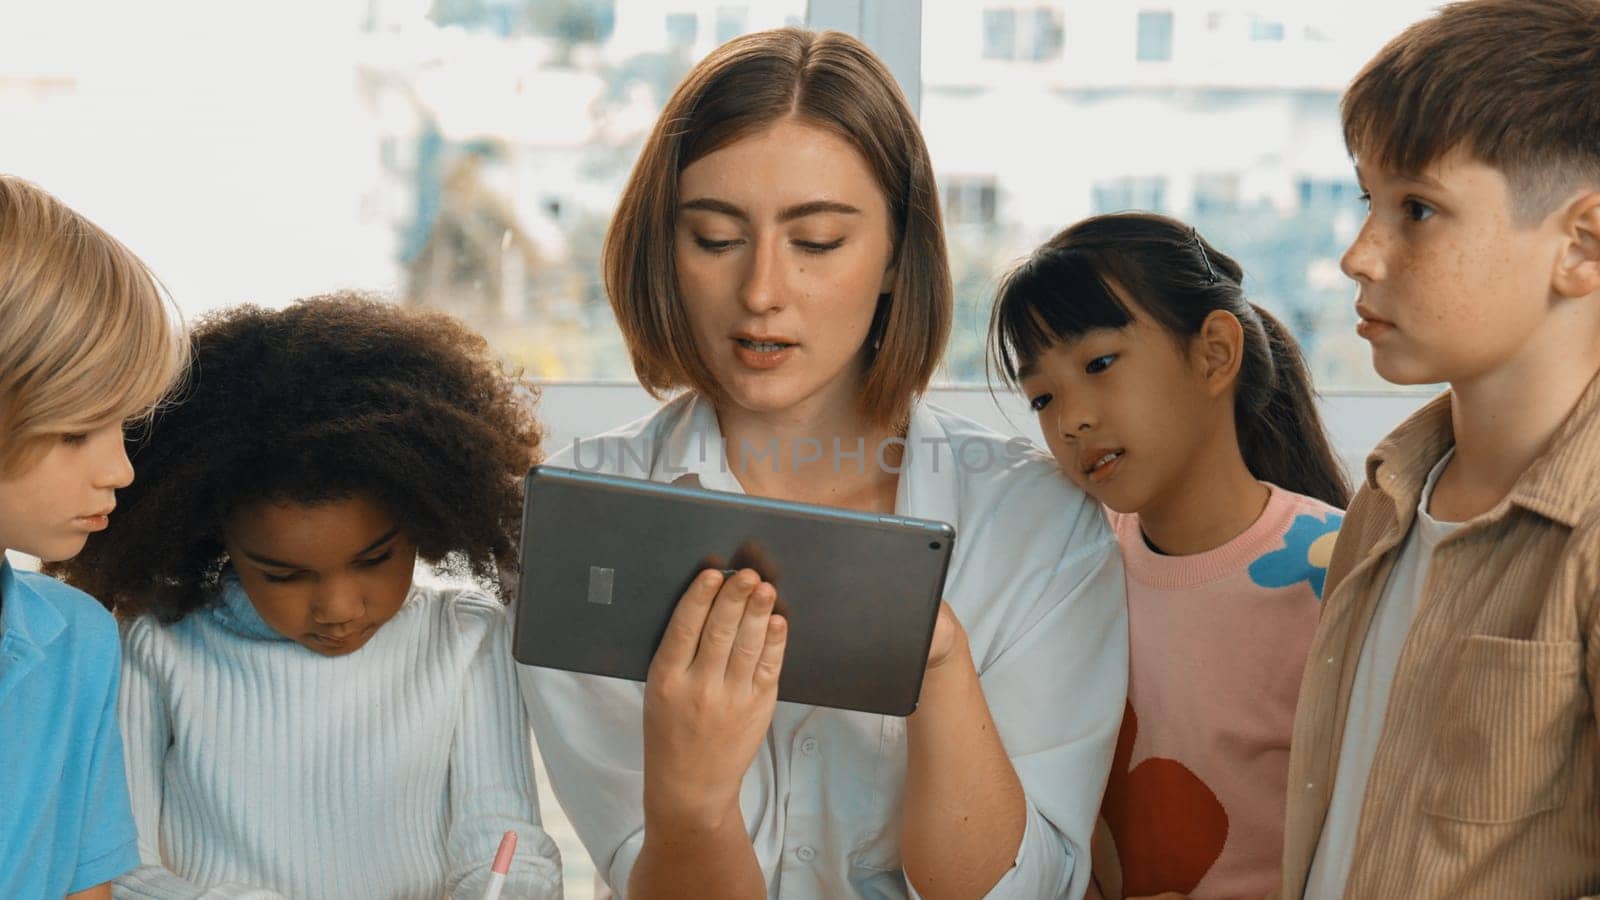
<point>65,825</point>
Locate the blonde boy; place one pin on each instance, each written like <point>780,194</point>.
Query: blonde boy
<point>86,343</point>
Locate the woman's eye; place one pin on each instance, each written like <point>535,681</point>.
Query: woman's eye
<point>1100,363</point>
<point>1037,404</point>
<point>74,439</point>
<point>1417,211</point>
<point>1365,198</point>
<point>279,579</point>
<point>711,246</point>
<point>818,247</point>
<point>376,560</point>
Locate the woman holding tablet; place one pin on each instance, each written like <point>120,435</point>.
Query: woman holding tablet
<point>778,252</point>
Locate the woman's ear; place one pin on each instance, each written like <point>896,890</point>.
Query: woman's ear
<point>1577,273</point>
<point>1217,350</point>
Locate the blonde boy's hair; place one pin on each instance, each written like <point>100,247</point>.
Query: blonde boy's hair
<point>87,337</point>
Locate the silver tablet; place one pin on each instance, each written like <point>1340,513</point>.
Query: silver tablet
<point>605,560</point>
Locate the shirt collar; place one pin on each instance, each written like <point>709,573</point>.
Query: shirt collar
<point>1564,483</point>
<point>691,445</point>
<point>26,619</point>
<point>1561,484</point>
<point>930,483</point>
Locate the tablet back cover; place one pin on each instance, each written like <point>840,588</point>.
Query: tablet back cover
<point>605,559</point>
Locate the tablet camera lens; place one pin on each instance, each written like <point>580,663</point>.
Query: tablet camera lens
<point>933,545</point>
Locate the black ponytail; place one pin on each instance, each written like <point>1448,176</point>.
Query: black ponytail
<point>1064,290</point>
<point>1275,413</point>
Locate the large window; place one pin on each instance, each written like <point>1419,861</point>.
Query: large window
<point>1223,114</point>
<point>464,154</point>
<point>467,154</point>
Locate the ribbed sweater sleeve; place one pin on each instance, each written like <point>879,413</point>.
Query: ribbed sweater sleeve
<point>491,778</point>
<point>146,735</point>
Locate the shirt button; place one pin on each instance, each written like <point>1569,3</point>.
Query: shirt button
<point>808,746</point>
<point>1330,660</point>
<point>1310,785</point>
<point>806,854</point>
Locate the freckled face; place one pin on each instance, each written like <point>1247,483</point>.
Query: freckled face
<point>327,575</point>
<point>783,246</point>
<point>1450,287</point>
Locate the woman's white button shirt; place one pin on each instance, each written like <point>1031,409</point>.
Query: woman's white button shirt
<point>1036,580</point>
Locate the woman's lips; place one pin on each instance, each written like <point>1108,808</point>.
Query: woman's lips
<point>762,355</point>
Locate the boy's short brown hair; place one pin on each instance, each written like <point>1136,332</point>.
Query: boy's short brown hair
<point>827,79</point>
<point>86,335</point>
<point>1516,83</point>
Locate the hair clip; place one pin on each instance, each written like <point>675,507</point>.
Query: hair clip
<point>1211,274</point>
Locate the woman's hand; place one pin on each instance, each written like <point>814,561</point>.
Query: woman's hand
<point>948,636</point>
<point>709,699</point>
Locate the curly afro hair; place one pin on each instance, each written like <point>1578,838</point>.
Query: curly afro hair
<point>336,396</point>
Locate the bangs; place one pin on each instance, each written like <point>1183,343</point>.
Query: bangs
<point>1510,82</point>
<point>1391,119</point>
<point>105,344</point>
<point>148,365</point>
<point>1050,298</point>
<point>125,348</point>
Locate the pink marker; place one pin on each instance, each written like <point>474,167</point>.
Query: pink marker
<point>502,865</point>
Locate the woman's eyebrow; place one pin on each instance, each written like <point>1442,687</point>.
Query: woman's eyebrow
<point>711,204</point>
<point>789,214</point>
<point>817,207</point>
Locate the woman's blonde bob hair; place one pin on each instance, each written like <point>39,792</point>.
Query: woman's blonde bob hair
<point>826,79</point>
<point>87,337</point>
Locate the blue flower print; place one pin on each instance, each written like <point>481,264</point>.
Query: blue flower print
<point>1306,550</point>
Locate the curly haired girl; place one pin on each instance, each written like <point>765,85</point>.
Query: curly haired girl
<point>301,719</point>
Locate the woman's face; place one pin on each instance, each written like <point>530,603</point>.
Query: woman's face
<point>327,575</point>
<point>783,245</point>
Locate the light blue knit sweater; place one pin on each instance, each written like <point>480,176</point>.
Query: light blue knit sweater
<point>259,769</point>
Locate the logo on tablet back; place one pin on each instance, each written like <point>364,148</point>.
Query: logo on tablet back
<point>600,582</point>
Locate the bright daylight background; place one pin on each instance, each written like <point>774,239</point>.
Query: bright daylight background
<point>466,154</point>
